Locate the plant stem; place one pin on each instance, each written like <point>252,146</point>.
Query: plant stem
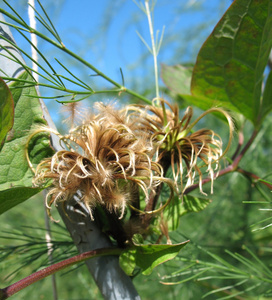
<point>35,67</point>
<point>32,21</point>
<point>80,59</point>
<point>62,47</point>
<point>246,147</point>
<point>253,177</point>
<point>23,283</point>
<point>48,238</point>
<point>154,50</point>
<point>231,168</point>
<point>65,90</point>
<point>240,143</point>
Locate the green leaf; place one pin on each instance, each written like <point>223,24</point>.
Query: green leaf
<point>12,197</point>
<point>177,78</point>
<point>6,111</point>
<point>147,257</point>
<point>179,207</point>
<point>14,167</point>
<point>267,97</point>
<point>127,261</point>
<point>194,204</point>
<point>230,65</point>
<point>172,213</point>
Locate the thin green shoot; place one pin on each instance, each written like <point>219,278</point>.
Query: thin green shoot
<point>28,56</point>
<point>225,288</point>
<point>15,12</point>
<point>80,82</point>
<point>43,58</point>
<point>69,52</point>
<point>51,23</point>
<point>122,76</point>
<point>154,50</point>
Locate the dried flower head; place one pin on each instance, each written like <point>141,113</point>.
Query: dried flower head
<point>104,156</point>
<point>73,113</point>
<point>116,150</point>
<point>178,146</point>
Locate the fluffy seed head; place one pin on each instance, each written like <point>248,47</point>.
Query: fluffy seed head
<point>104,155</point>
<point>178,146</point>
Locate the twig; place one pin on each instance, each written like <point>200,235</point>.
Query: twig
<point>49,244</point>
<point>231,168</point>
<point>246,147</point>
<point>35,67</point>
<point>154,50</point>
<point>23,283</point>
<point>62,47</point>
<point>253,177</point>
<point>240,143</point>
<point>32,21</point>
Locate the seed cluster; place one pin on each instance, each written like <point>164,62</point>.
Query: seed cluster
<point>116,151</point>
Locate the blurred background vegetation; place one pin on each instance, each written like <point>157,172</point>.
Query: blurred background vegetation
<point>227,223</point>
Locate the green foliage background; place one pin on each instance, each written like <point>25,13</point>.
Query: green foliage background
<point>226,223</point>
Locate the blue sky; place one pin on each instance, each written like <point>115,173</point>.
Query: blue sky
<point>82,26</point>
<point>105,33</point>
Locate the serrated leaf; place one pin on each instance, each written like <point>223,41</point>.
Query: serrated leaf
<point>231,63</point>
<point>14,167</point>
<point>147,257</point>
<point>6,111</point>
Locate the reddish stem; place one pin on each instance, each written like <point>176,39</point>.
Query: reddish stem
<point>25,282</point>
<point>230,168</point>
<point>240,143</point>
<point>227,170</point>
<point>254,177</point>
<point>244,150</point>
